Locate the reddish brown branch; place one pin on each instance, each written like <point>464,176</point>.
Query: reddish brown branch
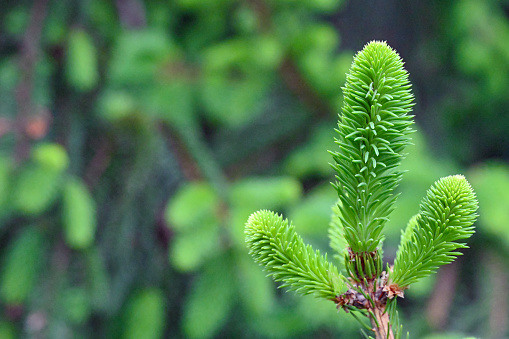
<point>376,304</point>
<point>27,62</point>
<point>381,324</point>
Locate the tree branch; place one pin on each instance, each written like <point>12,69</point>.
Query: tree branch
<point>27,62</point>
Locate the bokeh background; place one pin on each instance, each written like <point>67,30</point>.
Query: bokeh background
<point>136,137</point>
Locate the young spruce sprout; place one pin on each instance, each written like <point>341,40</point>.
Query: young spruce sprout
<point>373,130</point>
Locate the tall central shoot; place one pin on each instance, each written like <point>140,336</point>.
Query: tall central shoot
<point>373,131</point>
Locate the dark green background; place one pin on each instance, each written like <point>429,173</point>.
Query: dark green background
<point>136,137</point>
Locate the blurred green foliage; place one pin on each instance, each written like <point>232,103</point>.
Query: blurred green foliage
<point>137,136</point>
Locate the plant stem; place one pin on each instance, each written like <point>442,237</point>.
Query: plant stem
<point>380,323</point>
<point>369,295</point>
<point>27,62</point>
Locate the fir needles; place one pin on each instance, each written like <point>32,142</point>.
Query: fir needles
<point>274,244</point>
<point>373,131</point>
<point>447,214</point>
<point>372,134</point>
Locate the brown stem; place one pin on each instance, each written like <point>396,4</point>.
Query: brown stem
<point>27,62</point>
<point>356,297</point>
<point>381,323</point>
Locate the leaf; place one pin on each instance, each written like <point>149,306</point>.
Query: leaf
<point>145,317</point>
<point>259,193</point>
<point>117,105</point>
<point>78,215</point>
<point>35,189</point>
<point>317,37</point>
<point>210,300</point>
<point>231,101</point>
<point>82,70</point>
<point>21,266</point>
<point>191,249</point>
<point>51,156</point>
<point>138,57</point>
<point>192,203</point>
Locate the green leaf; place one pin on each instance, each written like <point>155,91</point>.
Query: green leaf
<point>78,214</point>
<point>316,37</point>
<point>82,70</point>
<point>35,189</point>
<point>372,135</point>
<point>447,214</point>
<point>21,266</point>
<point>51,156</point>
<point>117,105</point>
<point>191,249</point>
<point>234,101</point>
<point>259,193</point>
<point>275,245</point>
<point>138,57</point>
<point>192,203</point>
<point>145,316</point>
<point>210,300</point>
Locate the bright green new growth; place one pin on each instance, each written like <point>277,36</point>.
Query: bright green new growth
<point>274,244</point>
<point>372,134</point>
<point>447,214</point>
